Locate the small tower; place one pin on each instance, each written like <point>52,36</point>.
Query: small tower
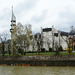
<point>13,22</point>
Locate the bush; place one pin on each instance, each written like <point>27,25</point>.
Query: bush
<point>69,50</point>
<point>9,52</point>
<point>50,49</point>
<point>43,50</point>
<point>31,52</point>
<point>20,51</point>
<point>60,48</point>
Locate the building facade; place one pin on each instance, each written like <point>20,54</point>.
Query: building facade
<point>52,38</point>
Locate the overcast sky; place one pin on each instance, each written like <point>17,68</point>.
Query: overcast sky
<point>38,13</point>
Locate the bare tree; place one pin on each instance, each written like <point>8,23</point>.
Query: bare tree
<point>3,38</point>
<point>33,42</point>
<point>72,33</point>
<point>38,43</point>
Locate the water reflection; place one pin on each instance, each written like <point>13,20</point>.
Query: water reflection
<point>20,70</point>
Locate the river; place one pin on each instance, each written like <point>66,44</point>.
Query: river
<point>36,70</point>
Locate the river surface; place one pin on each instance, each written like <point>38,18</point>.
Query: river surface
<point>31,70</point>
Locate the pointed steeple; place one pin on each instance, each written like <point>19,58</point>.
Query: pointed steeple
<point>13,16</point>
<point>13,21</point>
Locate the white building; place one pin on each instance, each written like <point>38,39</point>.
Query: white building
<point>52,38</point>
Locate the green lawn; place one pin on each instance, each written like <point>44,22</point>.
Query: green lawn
<point>42,53</point>
<point>47,53</point>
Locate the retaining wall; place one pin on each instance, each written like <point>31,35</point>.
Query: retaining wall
<point>61,60</point>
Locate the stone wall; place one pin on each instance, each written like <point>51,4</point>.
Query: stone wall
<point>61,60</point>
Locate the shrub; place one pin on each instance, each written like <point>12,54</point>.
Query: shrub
<point>69,50</point>
<point>20,51</point>
<point>43,50</point>
<point>60,48</point>
<point>50,49</point>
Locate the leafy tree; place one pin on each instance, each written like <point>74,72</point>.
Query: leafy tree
<point>18,31</point>
<point>26,37</point>
<point>21,38</point>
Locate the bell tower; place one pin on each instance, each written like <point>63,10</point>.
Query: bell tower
<point>13,24</point>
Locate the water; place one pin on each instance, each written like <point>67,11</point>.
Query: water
<point>23,70</point>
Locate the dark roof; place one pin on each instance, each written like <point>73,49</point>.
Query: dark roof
<point>64,33</point>
<point>37,34</point>
<point>72,33</point>
<point>47,29</point>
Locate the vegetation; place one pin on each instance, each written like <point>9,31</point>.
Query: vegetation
<point>41,53</point>
<point>21,38</point>
<point>21,41</point>
<point>43,50</point>
<point>69,50</point>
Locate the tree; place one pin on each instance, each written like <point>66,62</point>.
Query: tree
<point>72,33</point>
<point>56,47</point>
<point>21,37</point>
<point>38,43</point>
<point>17,32</point>
<point>3,38</point>
<point>33,43</point>
<point>67,40</point>
<point>9,47</point>
<point>26,37</point>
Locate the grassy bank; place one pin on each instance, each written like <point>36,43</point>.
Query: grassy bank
<point>42,53</point>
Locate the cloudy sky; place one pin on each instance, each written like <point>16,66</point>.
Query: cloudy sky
<point>38,13</point>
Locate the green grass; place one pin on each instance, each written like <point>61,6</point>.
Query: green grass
<point>47,53</point>
<point>42,53</point>
<point>66,53</point>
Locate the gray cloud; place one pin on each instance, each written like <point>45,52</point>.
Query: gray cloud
<point>5,14</point>
<point>66,19</point>
<point>42,17</point>
<point>26,6</point>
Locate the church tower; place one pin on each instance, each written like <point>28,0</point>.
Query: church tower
<point>13,24</point>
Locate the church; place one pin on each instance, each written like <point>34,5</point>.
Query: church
<point>49,38</point>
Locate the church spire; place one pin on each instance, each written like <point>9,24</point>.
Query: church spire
<point>12,12</point>
<point>13,16</point>
<point>13,21</point>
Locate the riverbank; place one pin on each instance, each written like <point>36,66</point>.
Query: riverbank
<point>39,60</point>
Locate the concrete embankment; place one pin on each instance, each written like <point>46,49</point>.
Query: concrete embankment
<point>39,60</point>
